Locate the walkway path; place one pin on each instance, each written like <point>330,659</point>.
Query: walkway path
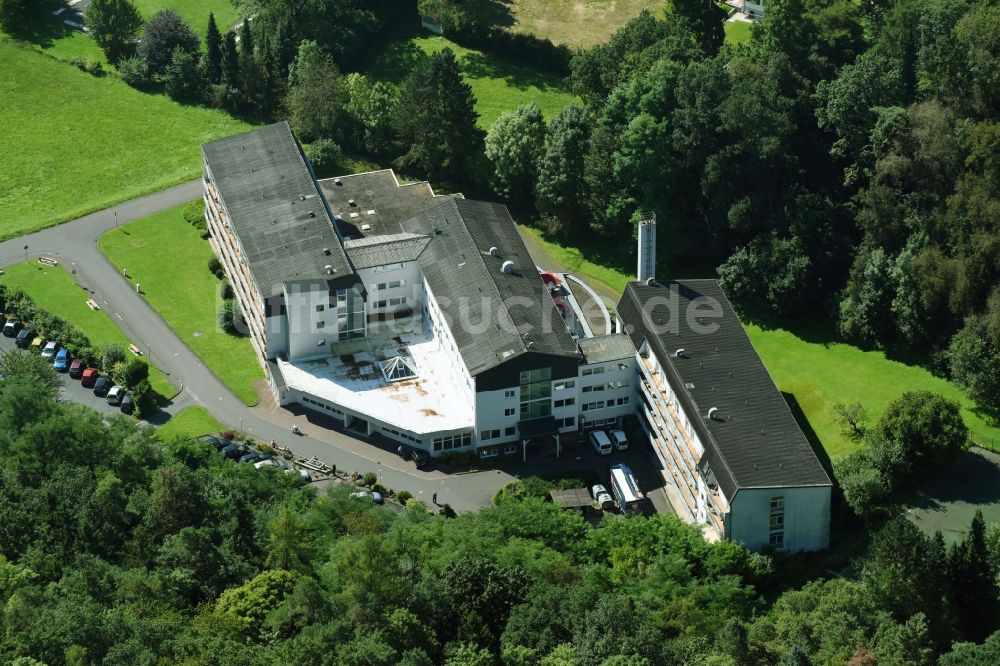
<point>74,244</point>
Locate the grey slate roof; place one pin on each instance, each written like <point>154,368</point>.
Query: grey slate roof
<point>275,207</point>
<point>377,191</point>
<point>385,250</point>
<point>471,288</point>
<point>754,442</point>
<point>603,348</point>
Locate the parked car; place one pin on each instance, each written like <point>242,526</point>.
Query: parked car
<point>102,386</point>
<point>77,367</point>
<point>235,451</point>
<point>375,497</point>
<point>37,344</point>
<point>127,404</point>
<point>251,457</point>
<point>301,473</point>
<point>267,462</point>
<point>602,497</point>
<point>599,440</point>
<point>115,395</point>
<point>217,442</point>
<point>24,338</point>
<point>88,377</point>
<point>12,328</point>
<point>50,350</point>
<point>619,439</point>
<point>62,361</point>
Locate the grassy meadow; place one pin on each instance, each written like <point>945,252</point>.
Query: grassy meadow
<point>55,290</point>
<point>80,143</point>
<point>499,85</point>
<point>163,251</point>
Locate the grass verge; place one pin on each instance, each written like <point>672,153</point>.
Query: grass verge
<point>84,143</point>
<point>190,422</point>
<point>499,85</point>
<point>55,290</point>
<point>168,257</point>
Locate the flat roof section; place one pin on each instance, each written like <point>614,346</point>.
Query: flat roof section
<point>751,439</point>
<point>603,348</point>
<point>353,379</point>
<point>275,207</point>
<point>381,202</point>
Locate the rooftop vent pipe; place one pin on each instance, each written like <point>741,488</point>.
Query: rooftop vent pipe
<point>508,267</point>
<point>326,251</point>
<point>679,353</point>
<point>712,412</point>
<point>329,269</point>
<point>494,251</point>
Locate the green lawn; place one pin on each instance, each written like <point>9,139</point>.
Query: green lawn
<point>820,375</point>
<point>55,290</point>
<point>737,32</point>
<point>76,143</point>
<point>190,422</point>
<point>576,260</point>
<point>499,85</point>
<point>169,259</point>
<point>195,12</point>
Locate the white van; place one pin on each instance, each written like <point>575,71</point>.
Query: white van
<point>599,440</point>
<point>619,440</point>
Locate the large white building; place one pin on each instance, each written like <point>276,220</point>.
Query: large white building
<point>421,319</point>
<point>401,313</point>
<point>725,438</point>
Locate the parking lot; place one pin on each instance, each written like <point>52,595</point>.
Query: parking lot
<point>71,388</point>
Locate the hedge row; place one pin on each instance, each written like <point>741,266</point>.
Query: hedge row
<point>519,47</point>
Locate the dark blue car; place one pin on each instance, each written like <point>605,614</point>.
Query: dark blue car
<point>62,360</point>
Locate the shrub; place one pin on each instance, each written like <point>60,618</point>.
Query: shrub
<point>94,68</point>
<point>194,212</point>
<point>79,63</point>
<point>133,72</point>
<point>325,155</point>
<point>369,479</point>
<point>226,291</point>
<point>404,496</point>
<point>231,319</point>
<point>215,267</point>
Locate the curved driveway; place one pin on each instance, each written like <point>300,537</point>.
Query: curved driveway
<point>74,244</point>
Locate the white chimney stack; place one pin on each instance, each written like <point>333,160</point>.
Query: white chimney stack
<point>647,247</point>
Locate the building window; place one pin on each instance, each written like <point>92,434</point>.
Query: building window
<point>562,386</point>
<point>380,304</point>
<point>489,453</point>
<point>396,283</point>
<point>568,422</point>
<point>598,370</point>
<point>536,393</point>
<point>777,521</point>
<point>623,365</point>
<point>320,342</point>
<point>591,406</point>
<point>319,308</point>
<point>487,435</point>
<point>508,431</point>
<point>618,384</point>
<point>777,504</point>
<point>381,285</point>
<point>509,393</point>
<point>776,539</point>
<point>510,448</point>
<point>623,401</point>
<point>611,403</point>
<point>565,402</point>
<point>509,411</point>
<point>320,324</point>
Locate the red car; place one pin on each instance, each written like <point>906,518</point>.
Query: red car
<point>89,377</point>
<point>76,368</point>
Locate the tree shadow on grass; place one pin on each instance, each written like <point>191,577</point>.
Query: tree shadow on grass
<point>974,479</point>
<point>480,66</point>
<point>809,432</point>
<point>44,31</point>
<point>398,60</point>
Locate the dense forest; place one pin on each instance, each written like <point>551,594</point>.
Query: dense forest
<point>117,548</point>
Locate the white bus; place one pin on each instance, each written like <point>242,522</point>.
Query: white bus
<point>626,489</point>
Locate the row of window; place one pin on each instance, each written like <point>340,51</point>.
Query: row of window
<point>494,452</point>
<point>776,522</point>
<point>450,442</point>
<point>390,302</point>
<point>611,386</point>
<point>405,436</point>
<point>392,284</point>
<point>325,406</point>
<point>564,403</point>
<point>568,422</point>
<point>599,369</point>
<point>590,406</point>
<point>562,386</point>
<point>487,435</point>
